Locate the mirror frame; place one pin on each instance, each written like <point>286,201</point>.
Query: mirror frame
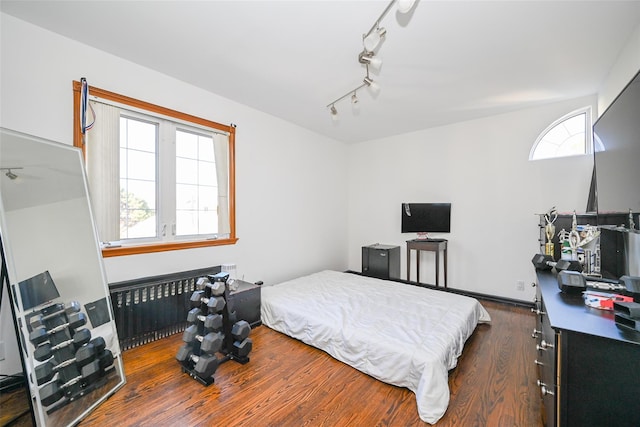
<point>79,396</point>
<point>145,106</point>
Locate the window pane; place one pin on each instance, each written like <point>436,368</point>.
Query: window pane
<point>205,151</point>
<point>186,223</point>
<point>196,191</point>
<point>186,144</point>
<point>137,134</point>
<point>141,165</point>
<point>208,197</point>
<point>143,191</point>
<point>138,224</point>
<point>208,222</point>
<point>186,197</point>
<point>567,137</point>
<point>207,173</point>
<point>138,189</point>
<point>137,217</point>
<point>186,171</point>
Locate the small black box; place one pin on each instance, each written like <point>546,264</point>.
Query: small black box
<point>381,261</point>
<point>245,301</point>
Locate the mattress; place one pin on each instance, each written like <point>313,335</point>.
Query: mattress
<point>404,335</point>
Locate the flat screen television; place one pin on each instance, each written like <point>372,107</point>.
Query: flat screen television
<point>616,136</point>
<point>425,218</point>
<point>37,290</point>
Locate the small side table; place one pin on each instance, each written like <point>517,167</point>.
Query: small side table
<point>245,301</point>
<point>432,245</point>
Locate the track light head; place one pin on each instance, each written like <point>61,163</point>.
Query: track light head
<point>368,58</point>
<point>373,86</point>
<point>373,39</point>
<point>334,113</point>
<point>354,98</point>
<point>9,174</point>
<point>405,6</point>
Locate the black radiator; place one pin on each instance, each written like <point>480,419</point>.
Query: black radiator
<point>152,308</point>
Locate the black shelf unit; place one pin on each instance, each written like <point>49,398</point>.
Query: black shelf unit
<point>381,261</point>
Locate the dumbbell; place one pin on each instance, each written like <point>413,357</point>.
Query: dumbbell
<point>46,350</point>
<point>214,303</point>
<point>545,262</point>
<point>240,330</point>
<point>85,355</point>
<point>54,391</point>
<point>40,335</point>
<point>103,355</point>
<point>210,343</point>
<point>573,281</point>
<point>205,365</point>
<point>211,321</point>
<point>217,288</point>
<point>68,308</point>
<point>241,349</point>
<point>241,345</point>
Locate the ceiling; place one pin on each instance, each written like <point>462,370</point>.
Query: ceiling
<point>443,62</point>
<point>47,172</point>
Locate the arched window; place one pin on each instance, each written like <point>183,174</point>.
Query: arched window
<point>570,135</point>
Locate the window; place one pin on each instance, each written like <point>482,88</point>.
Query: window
<point>568,136</point>
<point>159,179</point>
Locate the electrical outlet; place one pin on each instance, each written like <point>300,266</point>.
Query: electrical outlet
<point>2,350</point>
<point>520,285</point>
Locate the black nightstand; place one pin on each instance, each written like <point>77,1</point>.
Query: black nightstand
<point>381,261</point>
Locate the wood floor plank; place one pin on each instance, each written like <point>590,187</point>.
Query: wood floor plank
<point>288,383</point>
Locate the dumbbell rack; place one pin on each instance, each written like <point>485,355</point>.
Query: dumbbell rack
<point>231,348</point>
<point>58,338</point>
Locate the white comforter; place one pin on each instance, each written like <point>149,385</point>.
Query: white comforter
<point>403,335</point>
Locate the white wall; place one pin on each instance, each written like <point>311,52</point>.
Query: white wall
<point>289,180</point>
<point>482,168</point>
<point>290,198</point>
<point>626,66</point>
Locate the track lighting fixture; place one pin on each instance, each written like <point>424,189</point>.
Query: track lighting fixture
<point>9,174</point>
<point>334,113</point>
<point>405,6</point>
<point>368,58</point>
<point>371,40</point>
<point>373,86</point>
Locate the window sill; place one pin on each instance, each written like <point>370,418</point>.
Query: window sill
<point>163,247</point>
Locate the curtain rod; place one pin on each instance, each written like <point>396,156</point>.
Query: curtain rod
<point>97,99</point>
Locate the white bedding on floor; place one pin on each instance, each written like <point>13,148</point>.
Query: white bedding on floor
<point>400,334</point>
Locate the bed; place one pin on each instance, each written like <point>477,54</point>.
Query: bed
<point>404,335</point>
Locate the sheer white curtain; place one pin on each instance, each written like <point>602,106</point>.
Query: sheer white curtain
<point>221,151</point>
<point>103,170</point>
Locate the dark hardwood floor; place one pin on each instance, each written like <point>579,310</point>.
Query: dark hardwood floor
<point>288,383</point>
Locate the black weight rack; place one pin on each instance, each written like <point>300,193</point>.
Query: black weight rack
<point>211,341</point>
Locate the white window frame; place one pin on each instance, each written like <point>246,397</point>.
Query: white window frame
<point>166,161</point>
<point>588,145</point>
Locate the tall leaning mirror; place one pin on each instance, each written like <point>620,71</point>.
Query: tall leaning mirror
<point>61,305</point>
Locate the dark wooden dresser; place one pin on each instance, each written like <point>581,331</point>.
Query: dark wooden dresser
<point>588,368</point>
